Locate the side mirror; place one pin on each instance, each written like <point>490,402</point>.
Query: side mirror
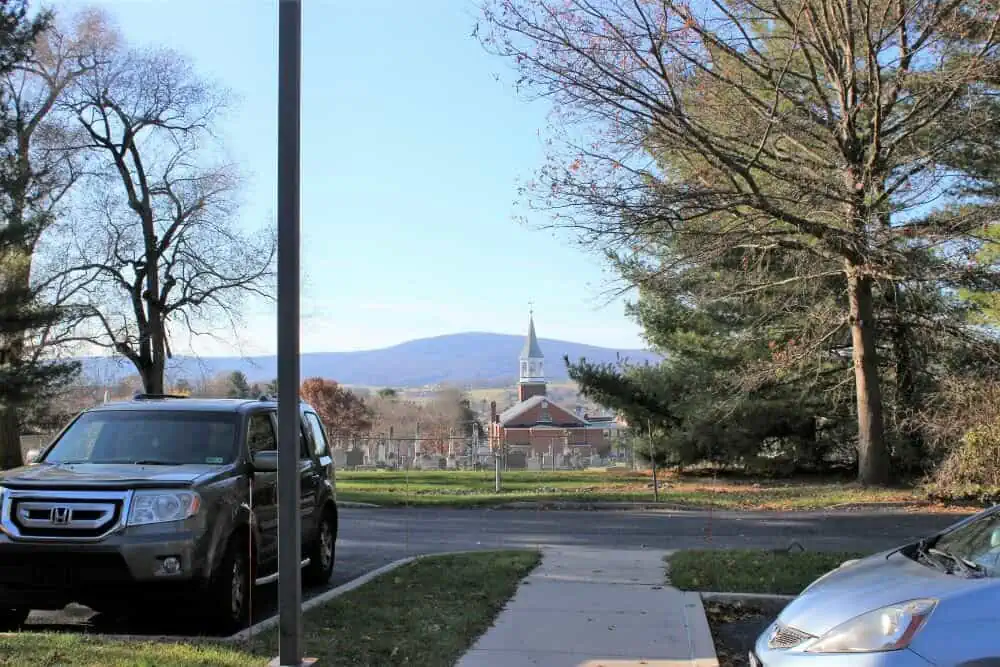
<point>265,462</point>
<point>31,458</point>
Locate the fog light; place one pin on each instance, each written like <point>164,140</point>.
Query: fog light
<point>171,565</point>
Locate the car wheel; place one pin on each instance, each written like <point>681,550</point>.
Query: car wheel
<point>322,552</point>
<point>13,619</point>
<point>230,589</point>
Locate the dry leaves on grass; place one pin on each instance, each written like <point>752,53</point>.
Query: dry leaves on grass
<point>720,614</point>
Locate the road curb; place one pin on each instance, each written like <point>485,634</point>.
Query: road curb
<point>350,504</point>
<point>595,506</point>
<point>711,596</point>
<point>699,634</point>
<point>847,509</point>
<point>333,593</point>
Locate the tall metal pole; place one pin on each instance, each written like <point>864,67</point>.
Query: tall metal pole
<point>652,461</point>
<point>289,526</point>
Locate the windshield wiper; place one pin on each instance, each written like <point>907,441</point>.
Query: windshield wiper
<point>923,551</point>
<point>967,567</point>
<point>153,462</point>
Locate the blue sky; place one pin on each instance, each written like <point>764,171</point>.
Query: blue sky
<point>412,151</point>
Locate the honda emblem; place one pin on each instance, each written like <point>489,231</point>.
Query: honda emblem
<point>60,515</point>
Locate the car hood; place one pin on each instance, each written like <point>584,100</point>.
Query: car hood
<point>867,585</point>
<point>87,475</point>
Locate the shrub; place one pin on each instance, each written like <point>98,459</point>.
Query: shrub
<point>971,470</point>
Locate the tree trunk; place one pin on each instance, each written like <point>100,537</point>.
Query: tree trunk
<point>873,455</point>
<point>152,378</point>
<point>10,438</point>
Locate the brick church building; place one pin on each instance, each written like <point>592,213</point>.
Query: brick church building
<point>534,430</point>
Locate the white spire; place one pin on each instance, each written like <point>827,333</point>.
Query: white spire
<point>532,359</point>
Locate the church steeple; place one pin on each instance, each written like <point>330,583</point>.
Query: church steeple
<point>532,362</point>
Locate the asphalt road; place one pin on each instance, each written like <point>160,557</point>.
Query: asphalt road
<point>370,538</point>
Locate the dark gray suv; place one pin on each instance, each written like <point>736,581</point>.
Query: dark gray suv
<point>160,498</point>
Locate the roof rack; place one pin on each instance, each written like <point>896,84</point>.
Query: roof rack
<point>274,398</point>
<point>139,396</point>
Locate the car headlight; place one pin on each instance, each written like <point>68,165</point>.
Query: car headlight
<point>162,506</point>
<point>886,629</point>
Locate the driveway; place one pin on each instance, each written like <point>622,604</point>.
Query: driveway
<point>370,538</point>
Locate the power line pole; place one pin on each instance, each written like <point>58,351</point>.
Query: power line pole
<point>289,526</point>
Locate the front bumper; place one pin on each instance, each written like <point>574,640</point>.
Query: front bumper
<point>124,565</point>
<point>768,657</point>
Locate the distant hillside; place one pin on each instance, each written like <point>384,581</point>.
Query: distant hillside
<point>466,359</point>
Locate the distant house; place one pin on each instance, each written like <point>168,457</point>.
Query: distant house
<point>536,432</point>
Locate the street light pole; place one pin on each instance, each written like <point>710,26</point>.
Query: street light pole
<point>289,527</point>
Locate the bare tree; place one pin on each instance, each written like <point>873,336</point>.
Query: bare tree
<point>157,247</point>
<point>45,161</point>
<point>837,130</point>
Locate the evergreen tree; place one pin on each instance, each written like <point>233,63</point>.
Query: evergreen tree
<point>239,386</point>
<point>25,373</point>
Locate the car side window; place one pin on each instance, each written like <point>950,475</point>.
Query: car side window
<point>260,434</point>
<point>320,446</point>
<point>303,442</point>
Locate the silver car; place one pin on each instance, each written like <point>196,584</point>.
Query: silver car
<point>935,602</point>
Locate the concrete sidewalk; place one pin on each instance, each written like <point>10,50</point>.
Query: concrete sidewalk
<point>597,608</point>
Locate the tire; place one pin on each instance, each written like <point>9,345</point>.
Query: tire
<point>230,589</point>
<point>322,552</point>
<point>13,619</point>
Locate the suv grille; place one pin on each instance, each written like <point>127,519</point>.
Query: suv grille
<point>63,515</point>
<point>785,637</point>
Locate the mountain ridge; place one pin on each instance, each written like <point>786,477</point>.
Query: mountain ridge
<point>471,359</point>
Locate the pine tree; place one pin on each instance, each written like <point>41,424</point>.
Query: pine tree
<point>25,374</point>
<point>239,386</point>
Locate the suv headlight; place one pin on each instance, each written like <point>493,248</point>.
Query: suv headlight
<point>162,506</point>
<point>886,629</point>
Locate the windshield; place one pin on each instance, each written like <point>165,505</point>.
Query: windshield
<point>150,438</point>
<point>977,543</point>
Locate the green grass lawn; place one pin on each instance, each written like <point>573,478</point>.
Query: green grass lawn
<point>750,571</point>
<point>427,613</point>
<point>473,489</point>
